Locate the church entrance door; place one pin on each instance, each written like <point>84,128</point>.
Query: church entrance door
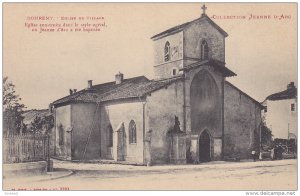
<point>204,147</point>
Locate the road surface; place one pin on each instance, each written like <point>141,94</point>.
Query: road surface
<point>264,175</point>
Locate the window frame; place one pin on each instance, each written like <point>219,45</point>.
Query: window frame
<point>204,50</point>
<point>132,132</point>
<point>167,51</point>
<point>293,107</point>
<point>110,133</point>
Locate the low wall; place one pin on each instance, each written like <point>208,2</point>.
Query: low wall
<point>25,169</point>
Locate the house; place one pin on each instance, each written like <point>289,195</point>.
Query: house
<point>280,112</point>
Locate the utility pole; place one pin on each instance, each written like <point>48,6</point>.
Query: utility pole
<point>288,138</point>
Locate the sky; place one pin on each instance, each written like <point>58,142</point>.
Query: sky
<point>44,66</point>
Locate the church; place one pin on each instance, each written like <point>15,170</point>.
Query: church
<point>188,113</point>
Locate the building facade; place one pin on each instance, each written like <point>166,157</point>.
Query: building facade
<point>188,113</point>
<point>280,113</point>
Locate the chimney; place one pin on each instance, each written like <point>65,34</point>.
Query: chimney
<point>74,90</point>
<point>71,92</point>
<point>90,84</point>
<point>291,85</point>
<point>50,108</point>
<point>119,78</point>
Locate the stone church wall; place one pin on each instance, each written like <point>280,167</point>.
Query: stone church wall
<point>175,41</point>
<point>242,117</point>
<point>85,123</point>
<point>192,39</point>
<point>63,122</point>
<point>165,70</point>
<point>161,108</point>
<point>115,114</point>
<point>162,68</point>
<point>215,128</point>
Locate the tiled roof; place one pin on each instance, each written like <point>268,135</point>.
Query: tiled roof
<point>94,94</point>
<point>137,89</point>
<point>289,93</point>
<point>182,26</point>
<point>214,63</point>
<point>129,88</point>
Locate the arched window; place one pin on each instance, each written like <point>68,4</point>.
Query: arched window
<point>167,51</point>
<point>132,132</point>
<point>109,136</point>
<point>204,50</point>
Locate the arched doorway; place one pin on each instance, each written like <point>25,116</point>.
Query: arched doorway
<point>204,146</point>
<point>205,103</point>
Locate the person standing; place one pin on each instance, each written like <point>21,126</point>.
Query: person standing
<point>260,155</point>
<point>276,152</point>
<point>253,153</point>
<point>272,154</point>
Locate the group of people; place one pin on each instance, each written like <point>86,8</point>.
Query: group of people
<point>276,153</point>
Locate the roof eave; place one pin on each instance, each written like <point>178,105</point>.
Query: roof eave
<point>255,101</point>
<point>220,66</point>
<point>159,36</point>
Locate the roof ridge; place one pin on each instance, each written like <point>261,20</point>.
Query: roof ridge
<point>173,28</point>
<point>285,94</point>
<point>181,26</point>
<point>124,79</point>
<point>97,91</point>
<point>120,85</point>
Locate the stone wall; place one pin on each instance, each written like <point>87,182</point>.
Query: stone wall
<point>162,68</point>
<point>161,108</point>
<point>242,117</point>
<point>196,33</point>
<point>115,114</point>
<point>63,122</point>
<point>85,131</point>
<point>212,122</point>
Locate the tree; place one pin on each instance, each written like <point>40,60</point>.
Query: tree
<point>42,125</point>
<point>266,136</point>
<point>12,109</point>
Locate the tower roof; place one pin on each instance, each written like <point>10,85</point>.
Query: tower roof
<point>219,66</point>
<point>178,28</point>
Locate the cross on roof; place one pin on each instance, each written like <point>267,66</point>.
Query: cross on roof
<point>203,8</point>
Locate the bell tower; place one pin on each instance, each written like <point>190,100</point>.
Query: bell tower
<point>192,42</point>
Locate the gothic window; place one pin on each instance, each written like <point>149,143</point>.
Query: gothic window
<point>109,136</point>
<point>167,51</point>
<point>204,50</point>
<point>132,132</point>
<point>60,135</point>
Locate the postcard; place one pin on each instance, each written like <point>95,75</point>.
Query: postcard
<point>150,96</point>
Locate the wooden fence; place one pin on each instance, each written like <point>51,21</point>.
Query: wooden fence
<point>25,148</point>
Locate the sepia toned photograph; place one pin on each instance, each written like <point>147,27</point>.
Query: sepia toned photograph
<point>150,96</point>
